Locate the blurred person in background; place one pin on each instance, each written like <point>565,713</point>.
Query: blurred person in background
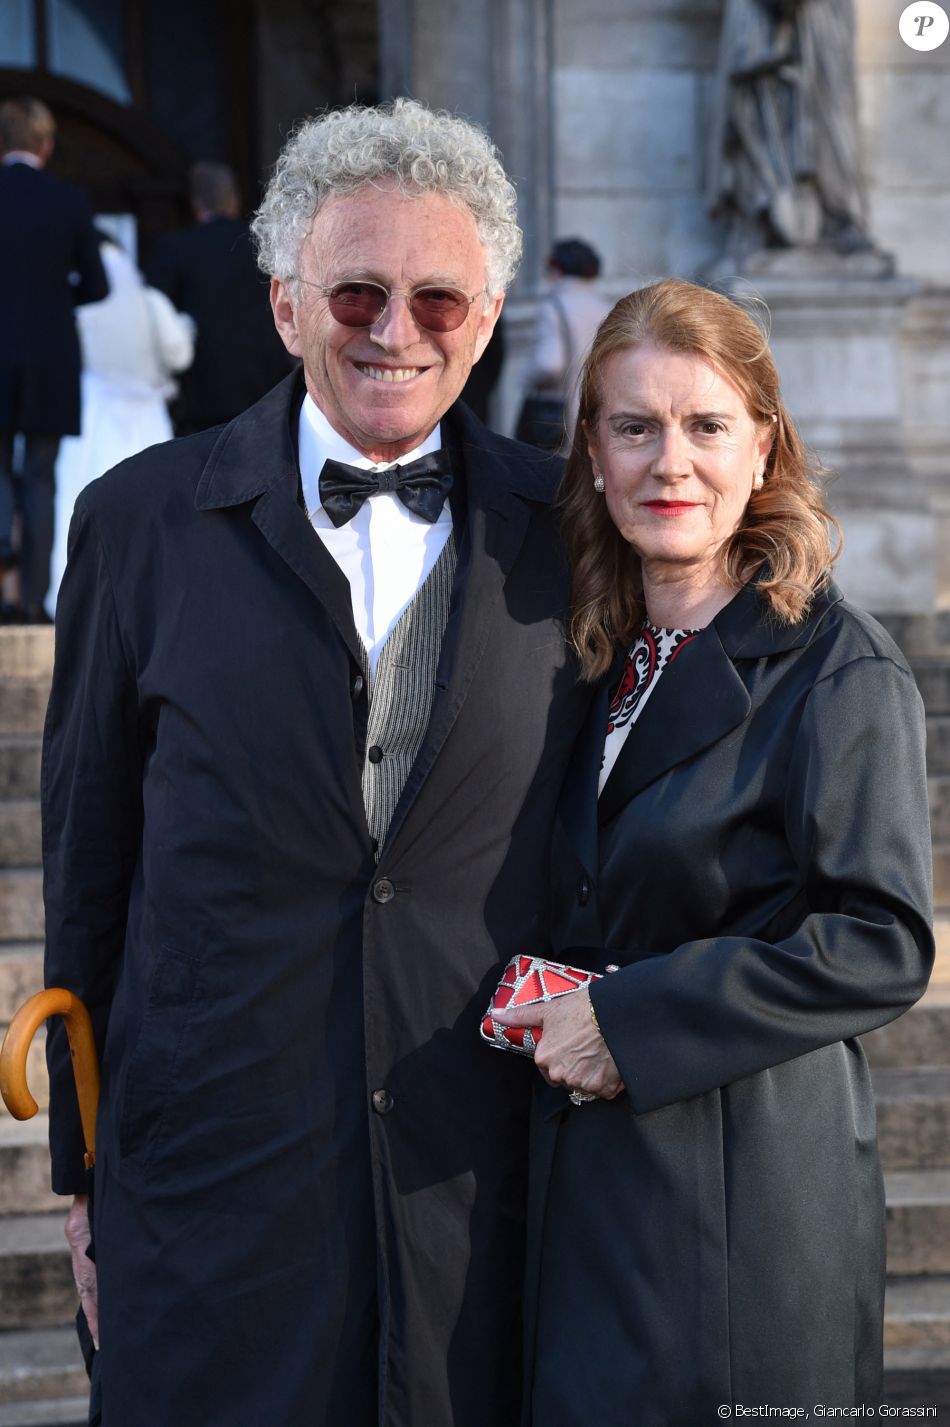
<point>132,344</point>
<point>49,264</point>
<point>210,272</point>
<point>567,318</point>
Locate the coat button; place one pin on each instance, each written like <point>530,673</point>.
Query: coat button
<point>357,686</point>
<point>583,892</point>
<point>382,1102</point>
<point>375,754</point>
<point>383,890</point>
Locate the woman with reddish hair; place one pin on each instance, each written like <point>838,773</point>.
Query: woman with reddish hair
<point>745,835</point>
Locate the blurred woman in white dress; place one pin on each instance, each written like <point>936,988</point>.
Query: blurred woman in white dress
<point>132,343</point>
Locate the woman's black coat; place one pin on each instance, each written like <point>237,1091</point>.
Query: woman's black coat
<point>759,865</point>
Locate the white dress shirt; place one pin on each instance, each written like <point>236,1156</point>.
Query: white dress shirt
<point>386,552</point>
<point>21,156</point>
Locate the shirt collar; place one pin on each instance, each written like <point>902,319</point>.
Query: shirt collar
<point>319,442</point>
<point>21,156</point>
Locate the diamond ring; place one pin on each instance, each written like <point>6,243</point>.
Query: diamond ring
<point>580,1097</point>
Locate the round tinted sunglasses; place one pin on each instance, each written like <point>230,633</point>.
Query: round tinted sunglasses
<point>361,304</point>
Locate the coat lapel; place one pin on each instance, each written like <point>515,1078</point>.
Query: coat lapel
<point>502,489</point>
<point>255,459</point>
<point>577,810</point>
<point>698,699</point>
<point>702,697</point>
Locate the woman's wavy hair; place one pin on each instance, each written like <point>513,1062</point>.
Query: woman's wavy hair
<point>417,148</point>
<point>787,527</point>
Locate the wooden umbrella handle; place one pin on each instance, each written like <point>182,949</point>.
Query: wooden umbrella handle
<point>82,1048</point>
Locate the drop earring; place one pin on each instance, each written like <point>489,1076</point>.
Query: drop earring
<point>758,482</point>
<point>598,483</point>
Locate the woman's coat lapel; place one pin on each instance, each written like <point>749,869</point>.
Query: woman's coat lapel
<point>694,704</point>
<point>692,707</point>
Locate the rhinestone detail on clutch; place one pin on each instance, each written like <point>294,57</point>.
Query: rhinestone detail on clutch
<point>529,981</point>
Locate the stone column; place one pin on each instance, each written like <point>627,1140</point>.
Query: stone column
<point>925,384</point>
<point>489,60</point>
<point>524,130</point>
<point>439,51</point>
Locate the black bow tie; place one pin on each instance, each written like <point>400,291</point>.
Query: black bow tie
<point>421,486</point>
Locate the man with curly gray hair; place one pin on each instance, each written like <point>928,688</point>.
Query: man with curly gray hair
<point>310,714</point>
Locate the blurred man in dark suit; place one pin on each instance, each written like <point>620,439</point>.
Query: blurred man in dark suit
<point>211,272</point>
<point>49,264</point>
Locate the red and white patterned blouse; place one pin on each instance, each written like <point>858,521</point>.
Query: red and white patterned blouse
<point>652,651</point>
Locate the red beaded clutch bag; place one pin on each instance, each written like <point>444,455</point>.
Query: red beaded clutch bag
<point>528,981</point>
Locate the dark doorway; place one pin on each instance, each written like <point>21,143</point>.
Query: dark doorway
<point>143,88</point>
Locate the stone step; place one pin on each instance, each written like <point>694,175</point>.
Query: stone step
<point>36,1291</point>
<point>56,1412</point>
<point>20,756</point>
<point>915,1363</point>
<point>913,1112</point>
<point>37,1078</point>
<point>938,790</point>
<point>908,1059</point>
<point>921,1037</point>
<point>21,974</point>
<point>913,1117</point>
<point>917,1318</point>
<point>43,1364</point>
<point>918,1221</point>
<point>23,705</point>
<point>920,636</point>
<point>938,744</point>
<point>21,904</point>
<point>941,852</point>
<point>36,1280</point>
<point>25,1167</point>
<point>924,1386</point>
<point>933,681</point>
<point>20,833</point>
<point>26,653</point>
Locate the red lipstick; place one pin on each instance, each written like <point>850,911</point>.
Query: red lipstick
<point>670,507</point>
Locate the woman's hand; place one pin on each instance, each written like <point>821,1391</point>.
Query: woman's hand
<point>571,1051</point>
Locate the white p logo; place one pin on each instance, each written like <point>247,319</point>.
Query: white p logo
<point>924,26</point>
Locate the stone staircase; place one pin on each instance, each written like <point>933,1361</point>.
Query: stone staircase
<point>910,1063</point>
<point>42,1381</point>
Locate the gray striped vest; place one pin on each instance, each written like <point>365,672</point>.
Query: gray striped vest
<point>401,694</point>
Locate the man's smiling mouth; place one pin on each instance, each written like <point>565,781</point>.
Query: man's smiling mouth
<point>389,374</point>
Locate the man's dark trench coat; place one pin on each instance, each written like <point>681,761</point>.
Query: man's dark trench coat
<point>310,1171</point>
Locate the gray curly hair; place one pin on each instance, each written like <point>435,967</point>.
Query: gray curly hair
<point>419,148</point>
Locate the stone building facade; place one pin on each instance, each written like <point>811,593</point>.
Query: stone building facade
<point>602,111</point>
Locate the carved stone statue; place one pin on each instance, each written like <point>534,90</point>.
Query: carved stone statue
<point>784,169</point>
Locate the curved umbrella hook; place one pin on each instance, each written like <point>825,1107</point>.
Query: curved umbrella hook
<point>82,1048</point>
